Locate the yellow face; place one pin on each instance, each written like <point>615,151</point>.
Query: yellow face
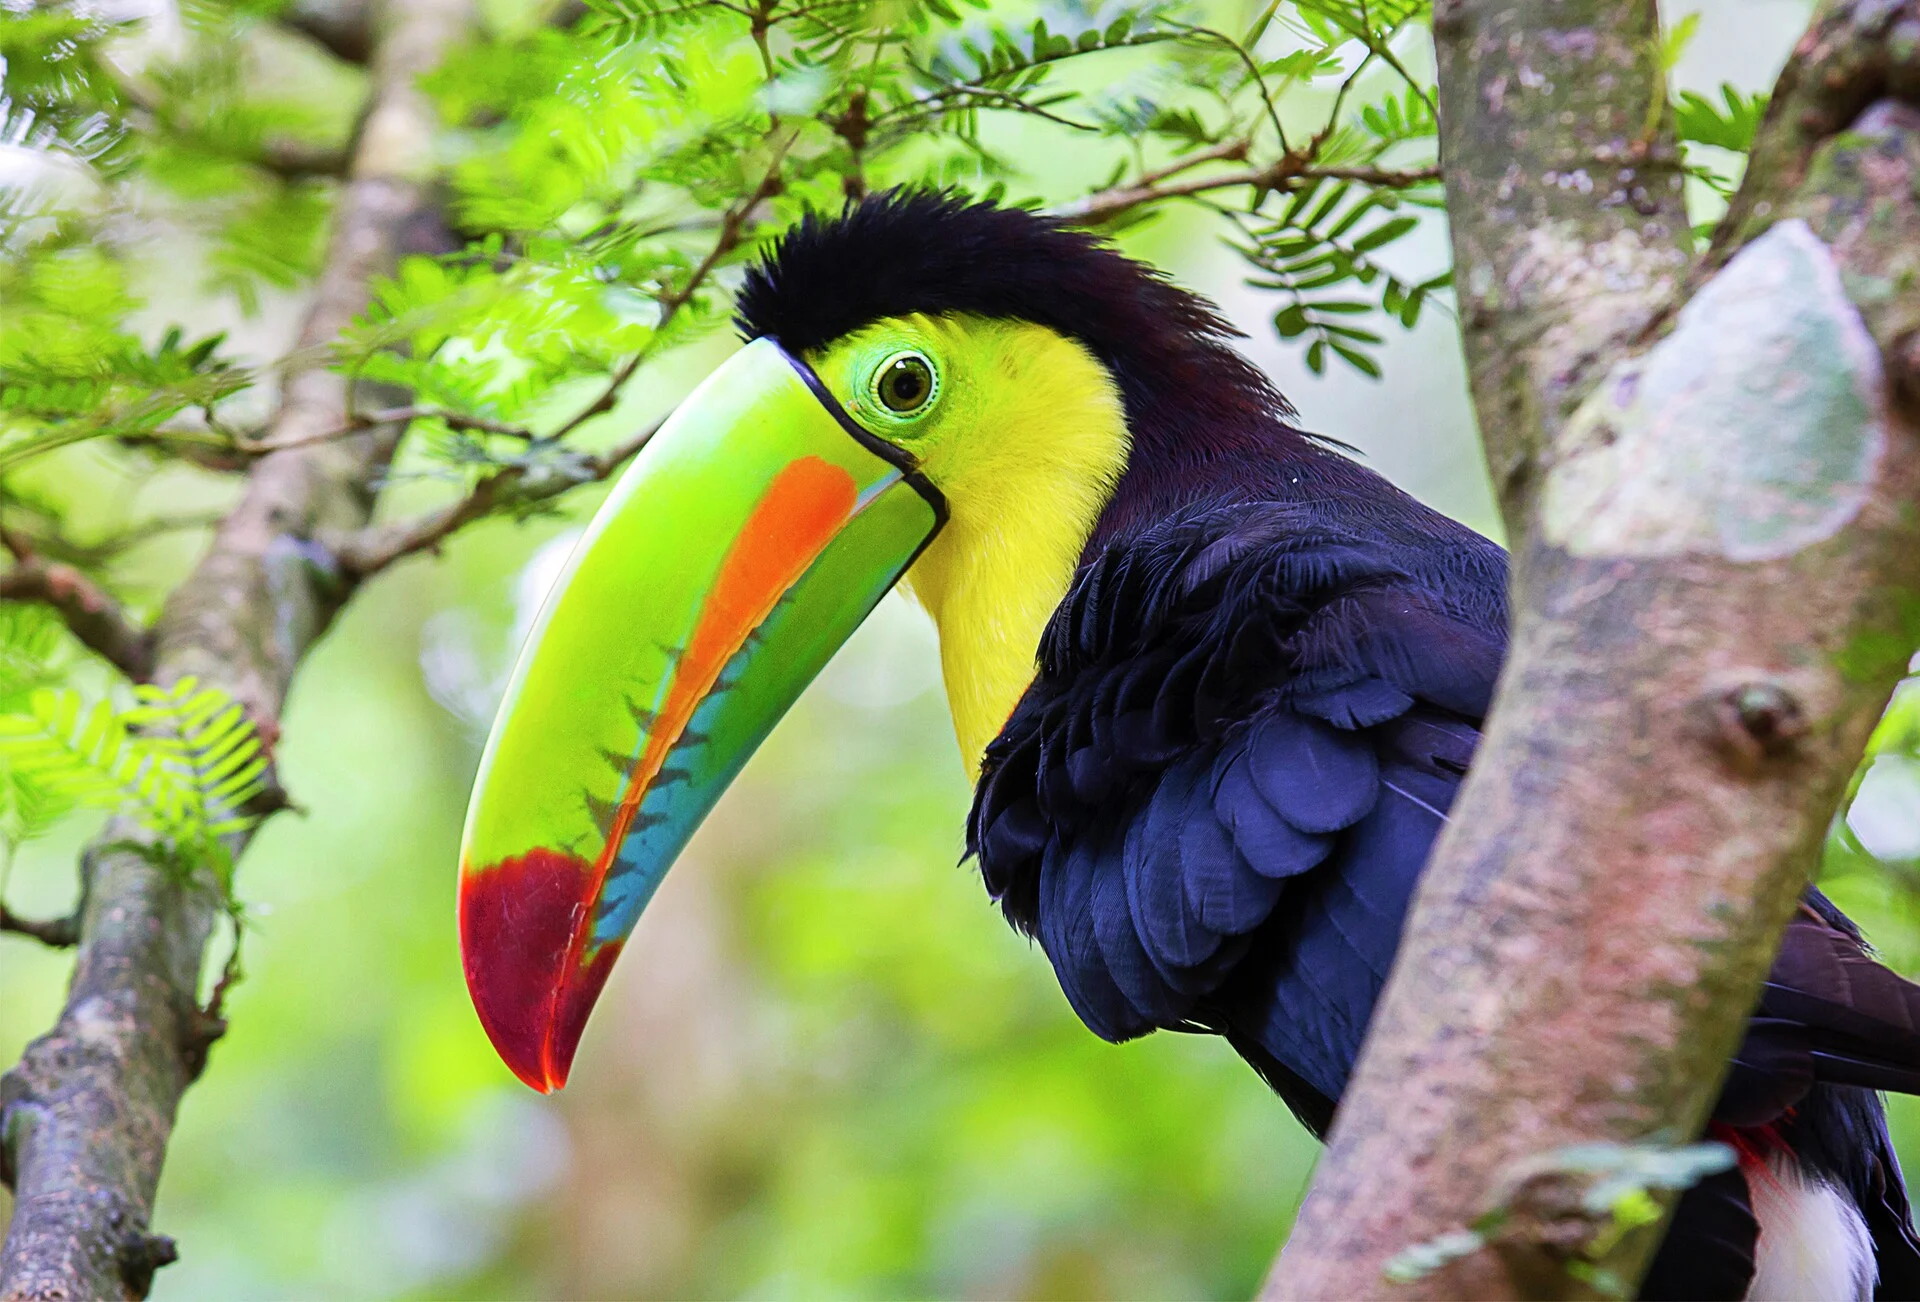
<point>1024,431</point>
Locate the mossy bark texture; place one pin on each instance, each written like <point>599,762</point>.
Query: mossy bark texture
<point>86,1115</point>
<point>1710,470</point>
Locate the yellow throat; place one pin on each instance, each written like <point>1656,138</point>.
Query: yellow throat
<point>1045,441</point>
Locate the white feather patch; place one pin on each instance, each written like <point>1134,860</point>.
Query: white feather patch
<point>1814,1245</point>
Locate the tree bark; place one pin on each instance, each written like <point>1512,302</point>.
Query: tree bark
<point>86,1115</point>
<point>1709,474</point>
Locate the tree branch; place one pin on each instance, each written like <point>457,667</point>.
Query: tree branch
<point>1715,551</point>
<point>368,551</point>
<point>298,160</point>
<point>60,933</point>
<point>86,1115</point>
<point>89,612</point>
<point>343,28</point>
<point>1282,174</point>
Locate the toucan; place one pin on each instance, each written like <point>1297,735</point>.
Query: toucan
<point>1217,682</point>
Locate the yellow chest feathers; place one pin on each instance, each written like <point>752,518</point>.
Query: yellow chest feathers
<point>1038,440</point>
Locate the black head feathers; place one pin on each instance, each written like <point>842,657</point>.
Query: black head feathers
<point>907,251</point>
<point>1192,401</point>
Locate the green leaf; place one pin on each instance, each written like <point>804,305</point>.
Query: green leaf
<point>1356,359</point>
<point>1677,39</point>
<point>184,760</point>
<point>1729,125</point>
<point>1384,234</point>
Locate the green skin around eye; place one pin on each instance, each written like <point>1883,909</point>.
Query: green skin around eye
<point>857,369</point>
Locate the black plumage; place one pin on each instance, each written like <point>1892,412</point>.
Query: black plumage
<point>1252,711</point>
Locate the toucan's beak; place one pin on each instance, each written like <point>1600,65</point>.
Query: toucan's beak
<point>746,542</point>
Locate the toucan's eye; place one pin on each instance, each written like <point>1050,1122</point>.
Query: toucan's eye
<point>904,384</point>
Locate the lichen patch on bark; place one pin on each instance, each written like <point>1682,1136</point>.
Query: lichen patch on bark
<point>1752,432</point>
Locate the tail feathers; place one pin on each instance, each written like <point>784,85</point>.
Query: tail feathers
<point>1848,1067</point>
<point>1890,1223</point>
<point>1833,1027</point>
<point>1828,1014</point>
<point>1864,1019</point>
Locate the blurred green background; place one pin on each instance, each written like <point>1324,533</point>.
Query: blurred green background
<point>826,1067</point>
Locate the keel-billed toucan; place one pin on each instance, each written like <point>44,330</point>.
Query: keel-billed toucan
<point>1218,684</point>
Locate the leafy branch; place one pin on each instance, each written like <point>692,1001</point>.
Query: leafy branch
<point>515,488</point>
<point>56,933</point>
<point>89,611</point>
<point>183,760</point>
<point>1324,240</point>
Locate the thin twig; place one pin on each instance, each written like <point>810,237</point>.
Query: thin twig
<point>59,933</point>
<point>100,550</point>
<point>1247,60</point>
<point>375,548</point>
<point>89,612</point>
<point>732,228</point>
<point>1291,168</point>
<point>1227,151</point>
<point>298,160</point>
<point>367,420</point>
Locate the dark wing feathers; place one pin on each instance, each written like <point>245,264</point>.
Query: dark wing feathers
<point>1213,805</point>
<point>1222,888</point>
<point>1315,776</point>
<point>1174,935</point>
<point>1146,991</point>
<point>1198,770</point>
<point>1271,845</point>
<point>1066,933</point>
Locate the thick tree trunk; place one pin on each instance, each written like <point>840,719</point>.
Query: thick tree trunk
<point>86,1115</point>
<point>1711,489</point>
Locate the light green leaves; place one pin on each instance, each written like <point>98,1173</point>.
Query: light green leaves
<point>1322,253</point>
<point>1728,125</point>
<point>183,760</point>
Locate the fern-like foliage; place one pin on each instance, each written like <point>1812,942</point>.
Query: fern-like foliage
<point>1321,251</point>
<point>33,658</point>
<point>1728,125</point>
<point>183,760</point>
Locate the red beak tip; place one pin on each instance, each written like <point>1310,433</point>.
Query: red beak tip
<point>517,933</point>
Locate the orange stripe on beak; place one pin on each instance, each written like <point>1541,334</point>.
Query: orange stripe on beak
<point>804,507</point>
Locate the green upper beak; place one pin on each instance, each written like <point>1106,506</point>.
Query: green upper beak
<point>736,554</point>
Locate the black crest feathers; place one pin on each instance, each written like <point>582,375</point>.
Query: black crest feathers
<point>908,251</point>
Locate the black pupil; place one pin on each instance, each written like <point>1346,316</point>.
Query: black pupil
<point>906,384</point>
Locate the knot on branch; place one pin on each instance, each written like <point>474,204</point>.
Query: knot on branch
<point>203,1028</point>
<point>1754,721</point>
<point>140,1255</point>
